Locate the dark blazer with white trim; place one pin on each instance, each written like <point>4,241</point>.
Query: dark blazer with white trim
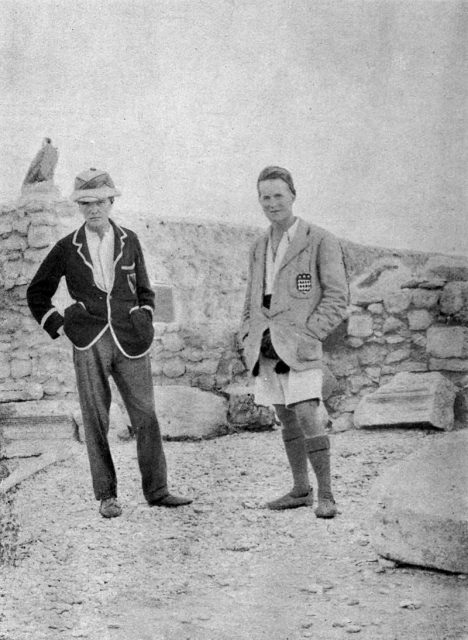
<point>127,310</point>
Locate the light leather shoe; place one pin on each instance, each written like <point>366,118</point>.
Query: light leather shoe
<point>170,501</point>
<point>290,501</point>
<point>110,508</point>
<point>326,507</point>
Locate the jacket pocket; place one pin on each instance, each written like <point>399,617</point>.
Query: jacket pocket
<point>74,317</point>
<point>142,322</point>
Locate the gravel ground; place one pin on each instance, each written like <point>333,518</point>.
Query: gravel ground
<point>223,568</point>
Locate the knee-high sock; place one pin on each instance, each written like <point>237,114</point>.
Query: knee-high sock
<point>318,450</point>
<point>294,444</point>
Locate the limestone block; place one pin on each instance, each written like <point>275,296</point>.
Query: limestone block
<point>449,268</point>
<point>411,365</point>
<point>445,342</point>
<point>424,299</point>
<point>14,242</point>
<point>454,301</point>
<point>356,383</point>
<point>21,224</point>
<point>448,364</point>
<point>371,354</point>
<point>36,256</point>
<point>189,413</point>
<point>43,217</point>
<point>409,399</point>
<point>419,319</point>
<point>20,368</point>
<point>11,272</point>
<point>194,355</point>
<point>419,340</point>
<point>173,368</point>
<point>392,324</point>
<point>344,363</point>
<point>20,390</point>
<point>397,301</point>
<point>5,370</point>
<point>394,339</point>
<point>208,367</point>
<point>355,343</point>
<point>38,420</point>
<point>172,342</point>
<point>384,276</point>
<point>397,356</point>
<point>360,326</point>
<point>419,507</point>
<point>376,308</point>
<point>244,413</point>
<point>451,298</point>
<point>6,224</point>
<point>41,236</point>
<point>373,373</point>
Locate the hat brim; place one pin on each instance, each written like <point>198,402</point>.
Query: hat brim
<point>91,195</point>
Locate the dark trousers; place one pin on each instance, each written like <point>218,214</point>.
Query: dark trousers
<point>134,382</point>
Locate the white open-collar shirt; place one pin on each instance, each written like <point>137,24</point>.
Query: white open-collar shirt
<point>273,264</point>
<point>102,256</point>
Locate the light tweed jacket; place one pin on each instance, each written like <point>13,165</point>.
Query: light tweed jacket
<point>309,299</point>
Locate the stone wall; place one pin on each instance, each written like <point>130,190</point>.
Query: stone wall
<point>406,314</point>
<point>407,310</point>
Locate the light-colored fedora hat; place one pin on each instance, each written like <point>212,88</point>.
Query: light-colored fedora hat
<point>93,184</point>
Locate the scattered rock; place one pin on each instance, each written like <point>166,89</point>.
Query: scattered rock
<point>421,503</point>
<point>186,412</point>
<point>410,604</point>
<point>409,398</point>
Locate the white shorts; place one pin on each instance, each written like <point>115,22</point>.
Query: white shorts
<point>286,388</point>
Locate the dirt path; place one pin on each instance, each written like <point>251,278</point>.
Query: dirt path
<point>223,568</point>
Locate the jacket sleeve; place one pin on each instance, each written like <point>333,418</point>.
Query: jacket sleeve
<point>332,307</point>
<point>144,291</point>
<point>43,287</point>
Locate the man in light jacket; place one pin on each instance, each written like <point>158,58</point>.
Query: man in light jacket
<point>110,325</point>
<point>296,295</point>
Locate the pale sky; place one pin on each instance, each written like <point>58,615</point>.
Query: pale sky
<point>184,102</point>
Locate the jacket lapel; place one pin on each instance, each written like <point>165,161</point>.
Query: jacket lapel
<point>120,237</point>
<point>79,241</point>
<point>298,244</point>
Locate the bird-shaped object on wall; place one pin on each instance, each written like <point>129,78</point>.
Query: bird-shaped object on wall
<point>43,166</point>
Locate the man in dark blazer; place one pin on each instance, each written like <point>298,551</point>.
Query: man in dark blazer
<point>110,325</point>
<point>296,295</point>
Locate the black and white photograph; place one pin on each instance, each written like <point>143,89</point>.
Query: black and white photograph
<point>233,319</point>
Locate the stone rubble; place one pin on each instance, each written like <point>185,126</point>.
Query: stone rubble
<point>215,570</point>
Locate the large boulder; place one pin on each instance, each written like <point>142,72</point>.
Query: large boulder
<point>419,508</point>
<point>189,413</point>
<point>409,399</point>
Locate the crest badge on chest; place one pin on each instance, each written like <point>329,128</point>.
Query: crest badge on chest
<point>304,282</point>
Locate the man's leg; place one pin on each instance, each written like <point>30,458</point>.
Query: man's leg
<point>92,372</point>
<point>317,445</point>
<point>134,381</point>
<point>294,445</point>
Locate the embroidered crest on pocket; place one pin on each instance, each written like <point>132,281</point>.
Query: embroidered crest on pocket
<point>131,279</point>
<point>304,282</point>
